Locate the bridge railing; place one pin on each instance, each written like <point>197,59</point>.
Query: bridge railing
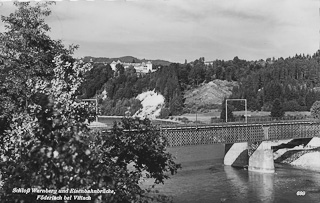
<point>239,121</point>
<point>197,135</point>
<point>235,133</point>
<point>262,119</point>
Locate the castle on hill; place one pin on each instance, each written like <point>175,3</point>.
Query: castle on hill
<point>143,67</point>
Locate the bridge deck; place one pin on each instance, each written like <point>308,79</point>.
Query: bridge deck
<point>197,135</point>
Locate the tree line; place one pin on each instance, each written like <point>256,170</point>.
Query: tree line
<point>293,80</point>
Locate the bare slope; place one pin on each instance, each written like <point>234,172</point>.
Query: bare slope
<point>209,95</point>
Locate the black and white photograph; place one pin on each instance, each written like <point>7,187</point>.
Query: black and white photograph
<point>160,101</point>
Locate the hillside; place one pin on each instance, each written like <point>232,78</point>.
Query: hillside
<point>126,59</point>
<point>152,103</point>
<point>196,85</point>
<point>209,95</point>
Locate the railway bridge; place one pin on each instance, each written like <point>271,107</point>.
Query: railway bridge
<point>246,145</point>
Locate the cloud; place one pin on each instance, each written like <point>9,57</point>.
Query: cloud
<point>188,29</point>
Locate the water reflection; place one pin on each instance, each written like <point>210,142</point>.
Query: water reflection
<point>262,185</point>
<point>249,186</point>
<point>218,183</point>
<point>236,180</point>
<point>205,179</point>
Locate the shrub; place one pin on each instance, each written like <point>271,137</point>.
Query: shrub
<point>292,105</point>
<point>183,119</point>
<point>165,113</point>
<point>315,110</point>
<point>112,108</point>
<point>277,109</point>
<point>137,143</point>
<point>267,106</point>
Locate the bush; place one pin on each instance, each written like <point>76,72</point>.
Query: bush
<point>147,156</point>
<point>183,119</point>
<point>277,109</point>
<point>267,106</point>
<point>292,105</point>
<point>112,108</point>
<point>315,110</point>
<point>165,113</point>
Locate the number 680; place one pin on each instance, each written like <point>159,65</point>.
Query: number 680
<point>301,193</point>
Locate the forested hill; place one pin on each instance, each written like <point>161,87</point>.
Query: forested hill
<point>295,81</point>
<point>126,59</point>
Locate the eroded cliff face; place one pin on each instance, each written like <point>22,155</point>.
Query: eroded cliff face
<point>209,95</point>
<point>152,103</point>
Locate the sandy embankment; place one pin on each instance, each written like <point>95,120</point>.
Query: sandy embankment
<point>306,157</point>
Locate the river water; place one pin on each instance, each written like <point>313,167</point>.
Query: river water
<point>205,179</point>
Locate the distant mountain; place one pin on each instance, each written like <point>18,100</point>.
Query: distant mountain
<point>126,59</point>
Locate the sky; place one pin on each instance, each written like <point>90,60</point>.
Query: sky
<point>179,30</point>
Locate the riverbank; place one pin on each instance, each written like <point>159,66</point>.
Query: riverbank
<point>302,153</point>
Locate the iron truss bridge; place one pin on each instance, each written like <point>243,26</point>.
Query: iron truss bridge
<point>199,135</point>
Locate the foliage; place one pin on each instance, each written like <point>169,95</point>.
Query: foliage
<point>119,107</point>
<point>277,109</point>
<point>315,110</point>
<point>95,79</point>
<point>126,84</point>
<point>230,115</point>
<point>45,146</point>
<point>166,82</point>
<point>164,113</point>
<point>197,73</point>
<point>293,79</point>
<point>45,142</point>
<point>26,52</point>
<point>137,151</point>
<point>293,105</point>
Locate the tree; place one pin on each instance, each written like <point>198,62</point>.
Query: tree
<point>197,72</point>
<point>46,142</point>
<point>95,79</point>
<point>315,110</point>
<point>27,52</point>
<point>147,156</point>
<point>47,137</point>
<point>176,104</point>
<point>277,109</point>
<point>220,73</point>
<point>119,69</point>
<point>230,115</point>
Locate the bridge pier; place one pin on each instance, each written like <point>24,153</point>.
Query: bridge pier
<point>236,154</point>
<point>262,159</point>
<point>251,148</point>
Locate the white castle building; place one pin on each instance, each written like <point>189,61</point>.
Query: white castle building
<point>140,67</point>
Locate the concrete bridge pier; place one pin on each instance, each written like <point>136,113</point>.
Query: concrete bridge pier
<point>261,159</point>
<point>236,155</point>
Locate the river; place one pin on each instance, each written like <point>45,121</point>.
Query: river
<point>205,179</point>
